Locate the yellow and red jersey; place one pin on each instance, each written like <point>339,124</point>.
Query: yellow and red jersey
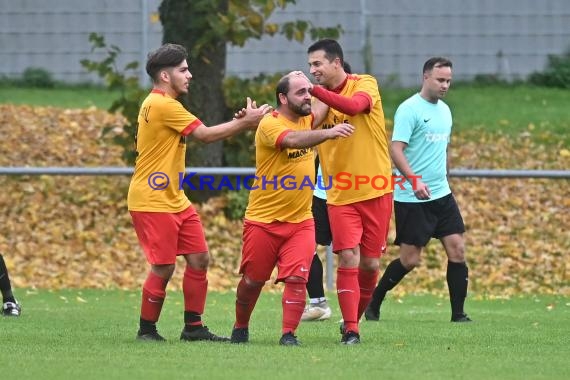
<point>278,193</point>
<point>163,124</point>
<point>364,154</point>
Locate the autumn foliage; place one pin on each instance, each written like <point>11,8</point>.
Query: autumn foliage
<point>75,231</point>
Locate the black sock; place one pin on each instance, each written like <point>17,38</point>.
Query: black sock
<point>5,286</point>
<point>191,319</point>
<point>457,280</point>
<point>147,327</point>
<point>315,282</point>
<point>393,274</point>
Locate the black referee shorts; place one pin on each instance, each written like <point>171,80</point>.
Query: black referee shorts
<point>323,235</point>
<point>417,223</point>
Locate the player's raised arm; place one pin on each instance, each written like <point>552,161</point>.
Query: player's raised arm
<point>249,118</point>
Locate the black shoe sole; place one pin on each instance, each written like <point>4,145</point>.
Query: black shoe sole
<point>371,318</point>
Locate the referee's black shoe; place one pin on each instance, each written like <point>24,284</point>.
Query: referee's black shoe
<point>461,318</point>
<point>371,315</point>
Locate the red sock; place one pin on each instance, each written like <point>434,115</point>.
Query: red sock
<point>293,302</point>
<point>153,294</point>
<point>246,298</point>
<point>194,287</point>
<point>367,281</point>
<point>348,292</point>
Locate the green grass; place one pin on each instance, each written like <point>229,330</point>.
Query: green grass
<point>89,334</point>
<point>492,107</point>
<point>476,108</point>
<point>507,108</point>
<point>64,97</point>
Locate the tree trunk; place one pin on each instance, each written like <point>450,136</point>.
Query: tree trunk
<point>184,21</point>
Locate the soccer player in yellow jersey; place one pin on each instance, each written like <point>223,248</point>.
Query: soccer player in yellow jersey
<point>278,226</point>
<point>360,200</point>
<point>165,221</point>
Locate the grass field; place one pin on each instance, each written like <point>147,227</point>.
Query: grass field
<point>89,334</point>
<point>64,97</point>
<point>510,109</point>
<point>492,108</point>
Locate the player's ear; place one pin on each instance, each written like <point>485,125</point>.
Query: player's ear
<point>337,62</point>
<point>164,76</point>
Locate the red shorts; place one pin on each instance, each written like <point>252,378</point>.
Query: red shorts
<point>290,246</point>
<point>364,223</point>
<point>164,235</point>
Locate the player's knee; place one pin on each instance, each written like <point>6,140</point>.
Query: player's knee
<point>457,253</point>
<point>369,264</point>
<point>348,259</point>
<point>411,261</point>
<point>198,261</point>
<point>295,280</point>
<point>250,283</point>
<point>163,271</point>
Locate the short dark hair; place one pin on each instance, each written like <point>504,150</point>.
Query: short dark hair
<point>436,62</point>
<point>346,67</point>
<point>282,88</point>
<point>331,48</point>
<point>166,56</point>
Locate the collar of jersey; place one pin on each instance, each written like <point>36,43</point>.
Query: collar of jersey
<point>339,88</point>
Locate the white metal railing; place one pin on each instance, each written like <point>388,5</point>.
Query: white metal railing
<point>119,170</point>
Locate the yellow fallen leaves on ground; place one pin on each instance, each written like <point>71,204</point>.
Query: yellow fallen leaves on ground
<point>75,232</point>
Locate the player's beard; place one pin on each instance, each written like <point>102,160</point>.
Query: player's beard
<point>182,88</point>
<point>303,109</point>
